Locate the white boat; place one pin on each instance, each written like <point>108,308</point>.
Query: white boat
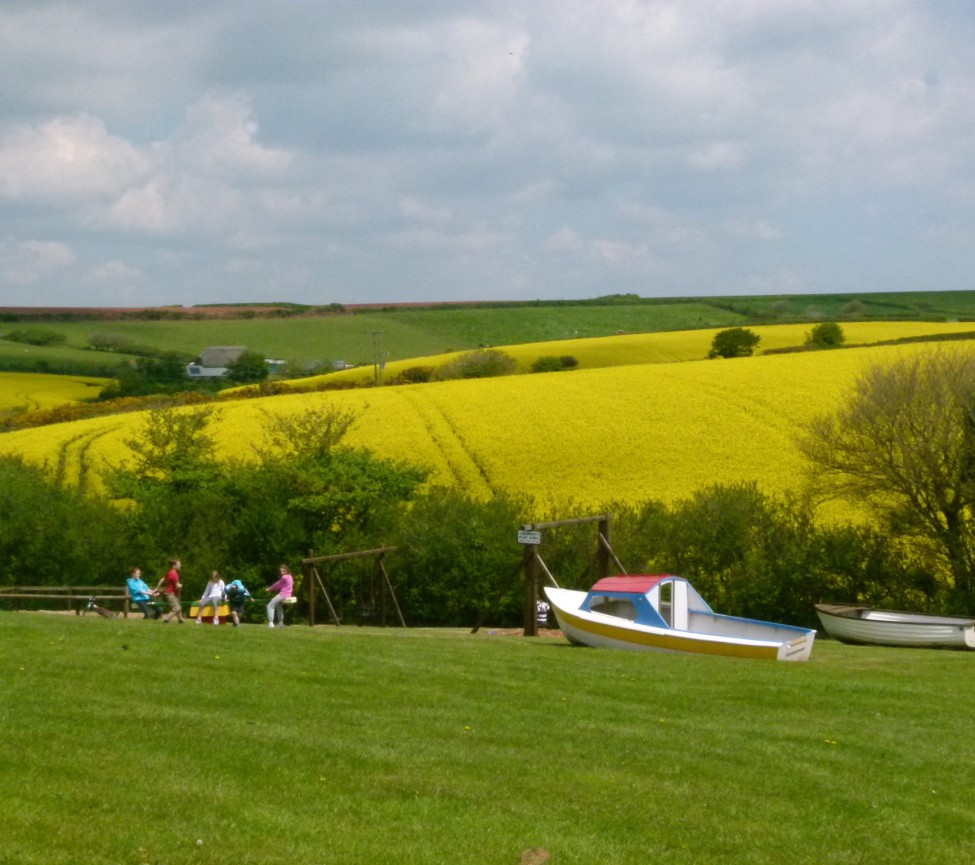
<point>661,612</point>
<point>852,623</point>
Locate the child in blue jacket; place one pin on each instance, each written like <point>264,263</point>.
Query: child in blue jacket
<point>237,596</point>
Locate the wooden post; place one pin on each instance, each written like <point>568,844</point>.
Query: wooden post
<point>602,554</point>
<point>312,560</point>
<point>531,591</point>
<point>311,590</point>
<point>392,594</point>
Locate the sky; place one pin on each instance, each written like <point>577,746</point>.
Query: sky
<point>381,151</point>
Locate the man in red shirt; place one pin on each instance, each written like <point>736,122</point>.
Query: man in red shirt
<point>172,589</point>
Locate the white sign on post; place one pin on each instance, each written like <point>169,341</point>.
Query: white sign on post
<point>534,538</point>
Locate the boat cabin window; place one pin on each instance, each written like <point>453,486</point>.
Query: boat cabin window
<point>666,603</point>
<point>622,608</point>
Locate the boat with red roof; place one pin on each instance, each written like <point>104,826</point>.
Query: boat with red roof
<point>661,612</point>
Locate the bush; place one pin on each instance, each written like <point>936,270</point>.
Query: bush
<point>459,562</point>
<point>249,368</point>
<point>164,374</point>
<point>414,375</point>
<point>734,342</point>
<point>111,342</point>
<point>550,363</point>
<point>36,336</point>
<point>826,335</point>
<point>53,535</point>
<point>482,363</point>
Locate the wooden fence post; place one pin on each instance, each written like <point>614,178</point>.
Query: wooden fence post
<point>602,554</point>
<point>309,578</point>
<point>531,591</point>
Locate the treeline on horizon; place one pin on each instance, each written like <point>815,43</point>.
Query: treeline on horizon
<point>762,308</point>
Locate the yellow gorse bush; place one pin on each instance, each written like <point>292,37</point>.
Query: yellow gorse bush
<point>591,436</point>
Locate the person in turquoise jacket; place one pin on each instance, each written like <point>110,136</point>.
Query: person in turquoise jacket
<point>139,592</point>
<point>237,596</point>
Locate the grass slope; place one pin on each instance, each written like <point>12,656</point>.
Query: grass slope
<point>58,359</point>
<point>405,334</point>
<point>425,332</point>
<point>125,742</point>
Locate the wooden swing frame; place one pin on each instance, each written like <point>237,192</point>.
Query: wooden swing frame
<point>313,579</point>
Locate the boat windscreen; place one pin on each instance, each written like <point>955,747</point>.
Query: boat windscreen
<point>622,608</point>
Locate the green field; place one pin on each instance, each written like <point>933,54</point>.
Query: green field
<point>129,741</point>
<point>405,334</point>
<point>65,359</point>
<point>414,333</point>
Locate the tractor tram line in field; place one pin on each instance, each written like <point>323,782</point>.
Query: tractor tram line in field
<point>74,464</point>
<point>29,401</point>
<point>466,471</point>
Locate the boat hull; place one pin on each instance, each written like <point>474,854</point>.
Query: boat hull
<point>867,626</point>
<point>726,635</point>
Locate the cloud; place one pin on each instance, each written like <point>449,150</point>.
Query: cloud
<point>26,263</point>
<point>113,273</point>
<point>67,159</point>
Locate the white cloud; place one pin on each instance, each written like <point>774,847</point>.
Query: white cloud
<point>112,274</point>
<point>413,208</point>
<point>757,229</point>
<point>565,239</point>
<point>67,158</point>
<point>717,156</point>
<point>26,263</point>
<point>220,138</point>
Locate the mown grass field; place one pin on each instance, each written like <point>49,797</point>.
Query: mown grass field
<point>588,436</point>
<point>127,742</point>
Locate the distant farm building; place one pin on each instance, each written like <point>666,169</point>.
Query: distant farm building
<point>214,361</point>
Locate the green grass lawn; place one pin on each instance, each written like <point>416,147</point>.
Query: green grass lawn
<point>126,741</point>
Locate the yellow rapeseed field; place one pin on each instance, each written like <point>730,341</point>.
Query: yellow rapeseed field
<point>29,391</point>
<point>590,436</point>
<point>641,348</point>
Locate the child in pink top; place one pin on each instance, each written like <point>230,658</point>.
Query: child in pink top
<point>284,587</point>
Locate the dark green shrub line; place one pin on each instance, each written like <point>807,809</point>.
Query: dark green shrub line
<point>457,561</point>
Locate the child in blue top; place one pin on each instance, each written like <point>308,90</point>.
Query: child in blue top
<point>237,595</point>
<point>139,592</point>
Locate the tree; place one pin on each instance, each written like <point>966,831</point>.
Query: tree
<point>174,451</point>
<point>307,490</point>
<point>905,444</point>
<point>250,367</point>
<point>163,374</point>
<point>828,334</point>
<point>174,490</point>
<point>734,342</point>
<point>51,534</point>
